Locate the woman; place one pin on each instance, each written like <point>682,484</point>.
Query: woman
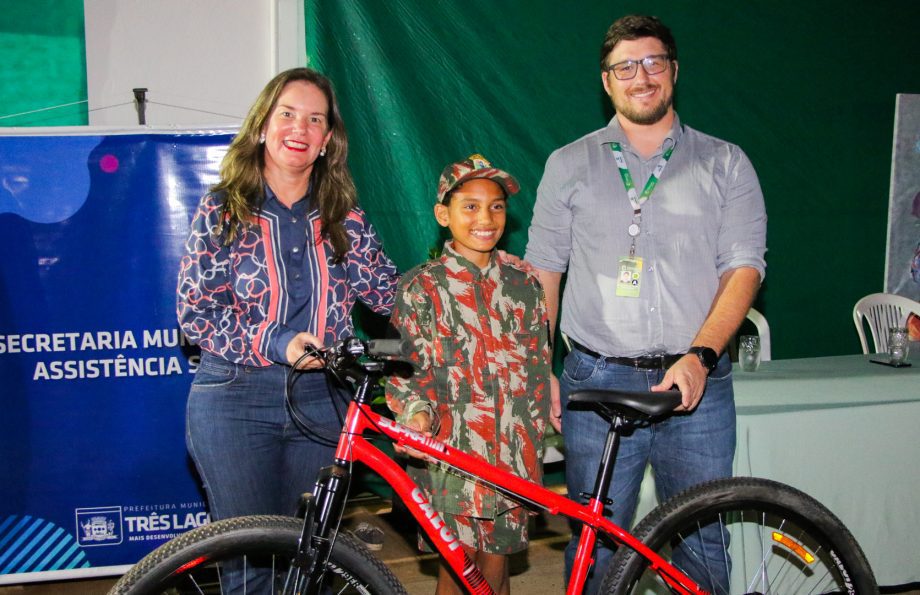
<point>277,255</point>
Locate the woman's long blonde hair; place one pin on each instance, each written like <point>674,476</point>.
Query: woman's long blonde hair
<point>333,190</point>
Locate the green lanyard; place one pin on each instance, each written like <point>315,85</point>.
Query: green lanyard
<point>637,200</point>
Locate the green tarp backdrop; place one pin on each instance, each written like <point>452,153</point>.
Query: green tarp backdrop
<point>807,89</point>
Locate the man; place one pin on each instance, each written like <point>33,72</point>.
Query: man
<point>662,231</point>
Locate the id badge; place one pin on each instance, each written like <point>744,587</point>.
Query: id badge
<point>629,276</point>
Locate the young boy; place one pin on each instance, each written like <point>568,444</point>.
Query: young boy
<point>479,327</point>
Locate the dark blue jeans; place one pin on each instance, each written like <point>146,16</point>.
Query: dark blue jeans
<point>683,450</point>
<point>250,455</point>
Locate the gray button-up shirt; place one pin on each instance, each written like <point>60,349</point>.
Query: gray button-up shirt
<point>706,216</point>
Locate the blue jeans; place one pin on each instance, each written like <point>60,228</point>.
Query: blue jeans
<point>683,450</point>
<point>251,457</point>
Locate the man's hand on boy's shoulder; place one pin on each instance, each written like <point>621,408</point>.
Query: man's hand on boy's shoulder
<point>509,257</point>
<point>515,261</point>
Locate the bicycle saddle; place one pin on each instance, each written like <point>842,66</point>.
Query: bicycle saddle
<point>632,405</point>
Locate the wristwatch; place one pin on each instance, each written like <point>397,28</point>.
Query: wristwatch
<point>708,356</point>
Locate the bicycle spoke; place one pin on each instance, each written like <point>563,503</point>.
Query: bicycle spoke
<point>252,555</point>
<point>773,540</point>
<point>197,586</point>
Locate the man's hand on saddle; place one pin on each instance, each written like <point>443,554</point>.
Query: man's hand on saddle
<point>688,375</point>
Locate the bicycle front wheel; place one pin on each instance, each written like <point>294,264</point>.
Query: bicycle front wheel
<point>250,555</point>
<point>762,537</point>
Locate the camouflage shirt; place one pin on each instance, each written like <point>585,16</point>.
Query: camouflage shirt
<point>482,346</point>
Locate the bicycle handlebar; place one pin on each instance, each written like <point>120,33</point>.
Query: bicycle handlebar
<point>389,348</point>
<point>351,356</point>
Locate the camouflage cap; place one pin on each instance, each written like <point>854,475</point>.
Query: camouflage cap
<point>473,167</point>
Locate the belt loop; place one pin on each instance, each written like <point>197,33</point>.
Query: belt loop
<point>600,363</point>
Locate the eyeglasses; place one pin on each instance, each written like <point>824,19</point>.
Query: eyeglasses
<point>627,69</point>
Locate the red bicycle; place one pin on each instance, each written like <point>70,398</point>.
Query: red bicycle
<point>776,539</point>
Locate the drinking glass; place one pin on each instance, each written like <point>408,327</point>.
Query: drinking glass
<point>898,344</point>
<point>749,352</point>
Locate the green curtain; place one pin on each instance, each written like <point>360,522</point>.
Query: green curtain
<point>43,48</point>
<point>423,84</point>
<point>807,89</point>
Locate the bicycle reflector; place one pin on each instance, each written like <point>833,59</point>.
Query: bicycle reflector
<point>794,546</point>
<point>188,565</point>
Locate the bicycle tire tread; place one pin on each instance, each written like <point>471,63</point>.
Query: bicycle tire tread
<point>196,536</point>
<point>208,538</point>
<point>741,490</point>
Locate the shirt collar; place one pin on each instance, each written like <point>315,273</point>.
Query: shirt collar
<point>301,205</point>
<point>613,133</point>
<point>457,263</point>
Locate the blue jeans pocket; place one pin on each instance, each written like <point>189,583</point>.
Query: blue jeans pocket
<point>578,367</point>
<point>722,371</point>
<point>214,372</point>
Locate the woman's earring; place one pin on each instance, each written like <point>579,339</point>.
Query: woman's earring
<point>322,152</point>
<point>262,139</point>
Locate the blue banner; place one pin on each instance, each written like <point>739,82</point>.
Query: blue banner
<point>94,372</point>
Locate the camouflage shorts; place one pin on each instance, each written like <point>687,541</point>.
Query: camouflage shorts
<point>505,534</point>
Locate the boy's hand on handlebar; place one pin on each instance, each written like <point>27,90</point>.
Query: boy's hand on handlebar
<point>689,376</point>
<point>295,349</point>
<point>420,422</point>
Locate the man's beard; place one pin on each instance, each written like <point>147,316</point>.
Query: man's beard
<point>646,117</point>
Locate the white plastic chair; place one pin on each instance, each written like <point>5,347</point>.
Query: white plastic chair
<point>763,330</point>
<point>880,311</point>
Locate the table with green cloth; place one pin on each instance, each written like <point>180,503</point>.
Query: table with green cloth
<point>847,432</point>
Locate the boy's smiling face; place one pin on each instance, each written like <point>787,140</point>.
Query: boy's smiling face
<point>476,218</point>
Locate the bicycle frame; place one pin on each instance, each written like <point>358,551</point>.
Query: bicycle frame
<point>353,446</point>
<point>816,552</point>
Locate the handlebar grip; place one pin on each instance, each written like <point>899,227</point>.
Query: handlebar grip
<point>389,347</point>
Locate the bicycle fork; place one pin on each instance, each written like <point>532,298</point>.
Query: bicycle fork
<point>321,510</point>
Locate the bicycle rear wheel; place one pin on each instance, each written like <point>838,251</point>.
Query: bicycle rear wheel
<point>250,555</point>
<point>775,539</point>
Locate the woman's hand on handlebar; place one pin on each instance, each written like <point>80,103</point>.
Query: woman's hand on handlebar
<point>297,346</point>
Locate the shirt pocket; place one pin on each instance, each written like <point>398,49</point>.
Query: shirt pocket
<point>456,370</point>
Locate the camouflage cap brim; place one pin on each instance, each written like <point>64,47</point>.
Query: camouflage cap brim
<point>474,167</point>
